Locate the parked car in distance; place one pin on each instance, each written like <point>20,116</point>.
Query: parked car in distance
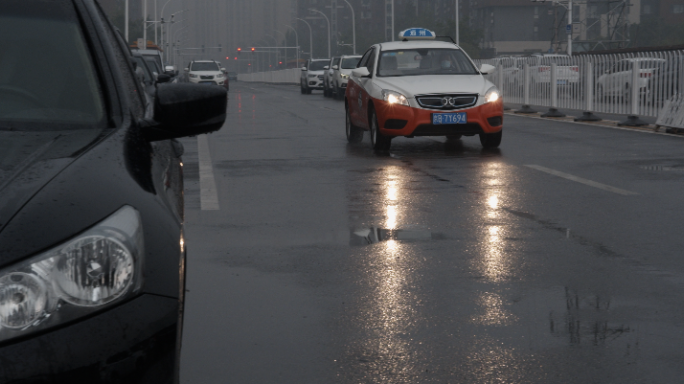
<point>328,89</point>
<point>617,82</point>
<point>341,74</point>
<point>567,73</point>
<point>92,251</point>
<point>205,72</point>
<point>312,75</point>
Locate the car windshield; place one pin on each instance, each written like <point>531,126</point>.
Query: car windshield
<point>350,63</point>
<point>205,67</point>
<point>416,62</point>
<point>318,65</point>
<point>153,64</point>
<point>144,67</point>
<point>35,94</point>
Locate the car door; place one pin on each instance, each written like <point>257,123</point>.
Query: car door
<point>162,167</point>
<point>354,100</point>
<point>364,87</point>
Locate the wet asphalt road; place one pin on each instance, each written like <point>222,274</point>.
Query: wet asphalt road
<point>440,263</point>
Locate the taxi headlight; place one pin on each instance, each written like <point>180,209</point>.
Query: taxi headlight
<point>85,274</point>
<point>394,97</point>
<point>492,95</point>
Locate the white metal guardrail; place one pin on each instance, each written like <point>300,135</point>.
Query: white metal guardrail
<point>630,84</point>
<point>638,84</point>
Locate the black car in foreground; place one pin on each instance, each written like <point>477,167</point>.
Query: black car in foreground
<point>92,256</point>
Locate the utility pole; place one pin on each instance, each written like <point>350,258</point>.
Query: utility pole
<point>145,24</point>
<point>569,28</point>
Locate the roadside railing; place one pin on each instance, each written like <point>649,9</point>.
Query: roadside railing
<point>632,84</point>
<point>636,84</point>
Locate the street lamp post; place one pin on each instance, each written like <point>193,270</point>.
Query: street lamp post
<point>285,50</point>
<point>269,51</point>
<point>458,21</point>
<point>296,41</point>
<point>128,41</point>
<point>144,24</point>
<point>354,25</point>
<point>310,37</point>
<point>328,20</point>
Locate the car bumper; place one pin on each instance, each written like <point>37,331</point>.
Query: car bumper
<point>134,342</point>
<point>210,82</point>
<point>399,120</point>
<point>314,83</point>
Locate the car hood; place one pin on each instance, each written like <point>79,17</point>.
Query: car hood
<point>205,73</point>
<point>410,86</point>
<point>29,160</point>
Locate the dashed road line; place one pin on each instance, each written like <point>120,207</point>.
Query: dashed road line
<point>577,179</point>
<point>208,193</point>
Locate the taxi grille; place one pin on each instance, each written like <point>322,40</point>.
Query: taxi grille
<point>447,102</point>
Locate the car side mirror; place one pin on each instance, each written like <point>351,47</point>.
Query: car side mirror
<point>303,69</point>
<point>336,67</point>
<point>182,110</point>
<point>486,69</point>
<point>326,67</point>
<point>361,72</point>
<point>187,69</point>
<point>163,78</point>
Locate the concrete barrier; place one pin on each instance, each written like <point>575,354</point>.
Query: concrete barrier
<point>672,115</point>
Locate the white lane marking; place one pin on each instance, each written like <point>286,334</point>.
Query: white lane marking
<point>581,180</point>
<point>208,194</point>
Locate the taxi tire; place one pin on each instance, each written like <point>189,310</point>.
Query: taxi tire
<point>491,140</point>
<point>354,133</point>
<point>379,142</point>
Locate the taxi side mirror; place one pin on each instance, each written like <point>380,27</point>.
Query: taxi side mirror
<point>361,72</point>
<point>487,69</point>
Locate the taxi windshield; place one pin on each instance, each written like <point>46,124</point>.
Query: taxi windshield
<point>417,62</point>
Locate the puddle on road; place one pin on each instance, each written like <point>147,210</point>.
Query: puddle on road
<point>373,235</point>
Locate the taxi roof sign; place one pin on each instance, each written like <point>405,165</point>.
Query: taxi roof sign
<point>417,34</point>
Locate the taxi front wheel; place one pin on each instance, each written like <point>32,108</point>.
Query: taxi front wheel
<point>491,140</point>
<point>379,141</point>
<point>354,133</point>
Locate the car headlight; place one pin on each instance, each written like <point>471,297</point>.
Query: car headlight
<point>492,95</point>
<point>219,76</point>
<point>193,76</point>
<point>91,271</point>
<point>344,76</point>
<point>394,97</point>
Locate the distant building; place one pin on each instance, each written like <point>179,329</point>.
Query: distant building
<point>522,27</point>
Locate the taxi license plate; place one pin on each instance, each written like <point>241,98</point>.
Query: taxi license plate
<point>449,118</point>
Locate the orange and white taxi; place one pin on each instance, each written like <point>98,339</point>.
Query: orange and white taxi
<point>421,87</point>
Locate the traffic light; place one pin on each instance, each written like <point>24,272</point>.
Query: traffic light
<point>227,58</point>
<point>236,58</point>
<point>239,51</point>
<point>280,63</point>
<point>253,49</point>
